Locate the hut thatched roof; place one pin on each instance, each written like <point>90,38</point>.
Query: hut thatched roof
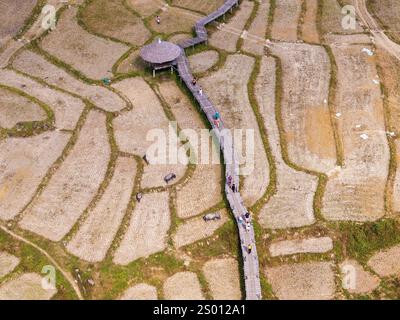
<point>160,52</point>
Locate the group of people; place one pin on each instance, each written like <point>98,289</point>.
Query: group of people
<point>194,83</point>
<point>245,220</point>
<point>231,185</point>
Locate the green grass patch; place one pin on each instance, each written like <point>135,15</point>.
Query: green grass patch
<point>362,240</point>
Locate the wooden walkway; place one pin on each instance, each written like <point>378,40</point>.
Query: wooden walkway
<point>250,261</point>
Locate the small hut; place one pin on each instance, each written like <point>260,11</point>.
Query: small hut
<point>160,55</point>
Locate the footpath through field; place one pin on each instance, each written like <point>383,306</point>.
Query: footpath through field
<point>250,259</point>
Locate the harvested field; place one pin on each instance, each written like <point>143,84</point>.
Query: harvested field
<point>37,66</point>
<point>302,281</point>
<point>73,185</point>
<point>133,127</point>
<point>387,13</point>
<point>141,291</point>
<point>331,19</point>
<point>229,33</point>
<point>99,16</point>
<point>396,186</point>
<point>310,245</point>
<point>176,38</point>
<point>89,54</point>
<point>26,287</point>
<point>203,190</point>
<point>8,262</point>
<point>364,281</point>
<point>175,20</point>
<point>309,28</point>
<point>386,262</point>
<point>153,174</point>
<point>97,232</point>
<point>15,108</point>
<point>133,63</point>
<point>222,276</point>
<point>13,15</point>
<point>145,7</point>
<point>389,69</point>
<point>286,18</point>
<point>147,232</point>
<point>66,108</point>
<point>203,61</point>
<point>292,204</point>
<point>304,106</point>
<point>357,191</point>
<point>255,40</point>
<point>24,163</point>
<point>205,6</point>
<point>196,229</point>
<point>183,286</point>
<point>227,88</point>
<point>347,39</point>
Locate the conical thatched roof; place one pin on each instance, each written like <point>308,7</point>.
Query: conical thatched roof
<point>160,52</point>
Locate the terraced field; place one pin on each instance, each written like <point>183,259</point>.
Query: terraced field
<point>322,183</point>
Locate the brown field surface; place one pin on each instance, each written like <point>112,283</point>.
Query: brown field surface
<point>310,245</point>
<point>203,61</point>
<point>100,16</point>
<point>302,281</point>
<point>133,127</point>
<point>133,63</point>
<point>196,229</point>
<point>227,89</point>
<point>24,163</point>
<point>387,14</point>
<point>13,14</point>
<point>286,18</point>
<point>26,287</point>
<point>390,68</point>
<point>305,77</point>
<point>147,232</point>
<point>356,192</point>
<point>145,7</point>
<point>357,38</point>
<point>66,108</point>
<point>386,262</point>
<point>222,276</point>
<point>97,232</point>
<point>183,286</point>
<point>228,35</point>
<point>15,108</point>
<point>203,190</point>
<point>73,185</point>
<point>309,27</point>
<point>37,66</point>
<point>292,204</point>
<point>255,40</point>
<point>8,262</point>
<point>331,19</point>
<point>178,37</point>
<point>175,20</point>
<point>365,281</point>
<point>141,291</point>
<point>396,185</point>
<point>89,54</point>
<point>205,6</point>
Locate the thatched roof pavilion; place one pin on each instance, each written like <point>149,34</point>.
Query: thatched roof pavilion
<point>160,54</point>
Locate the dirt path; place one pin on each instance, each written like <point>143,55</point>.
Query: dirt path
<point>381,38</point>
<point>67,276</point>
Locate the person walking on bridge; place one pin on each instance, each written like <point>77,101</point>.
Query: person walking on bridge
<point>249,248</point>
